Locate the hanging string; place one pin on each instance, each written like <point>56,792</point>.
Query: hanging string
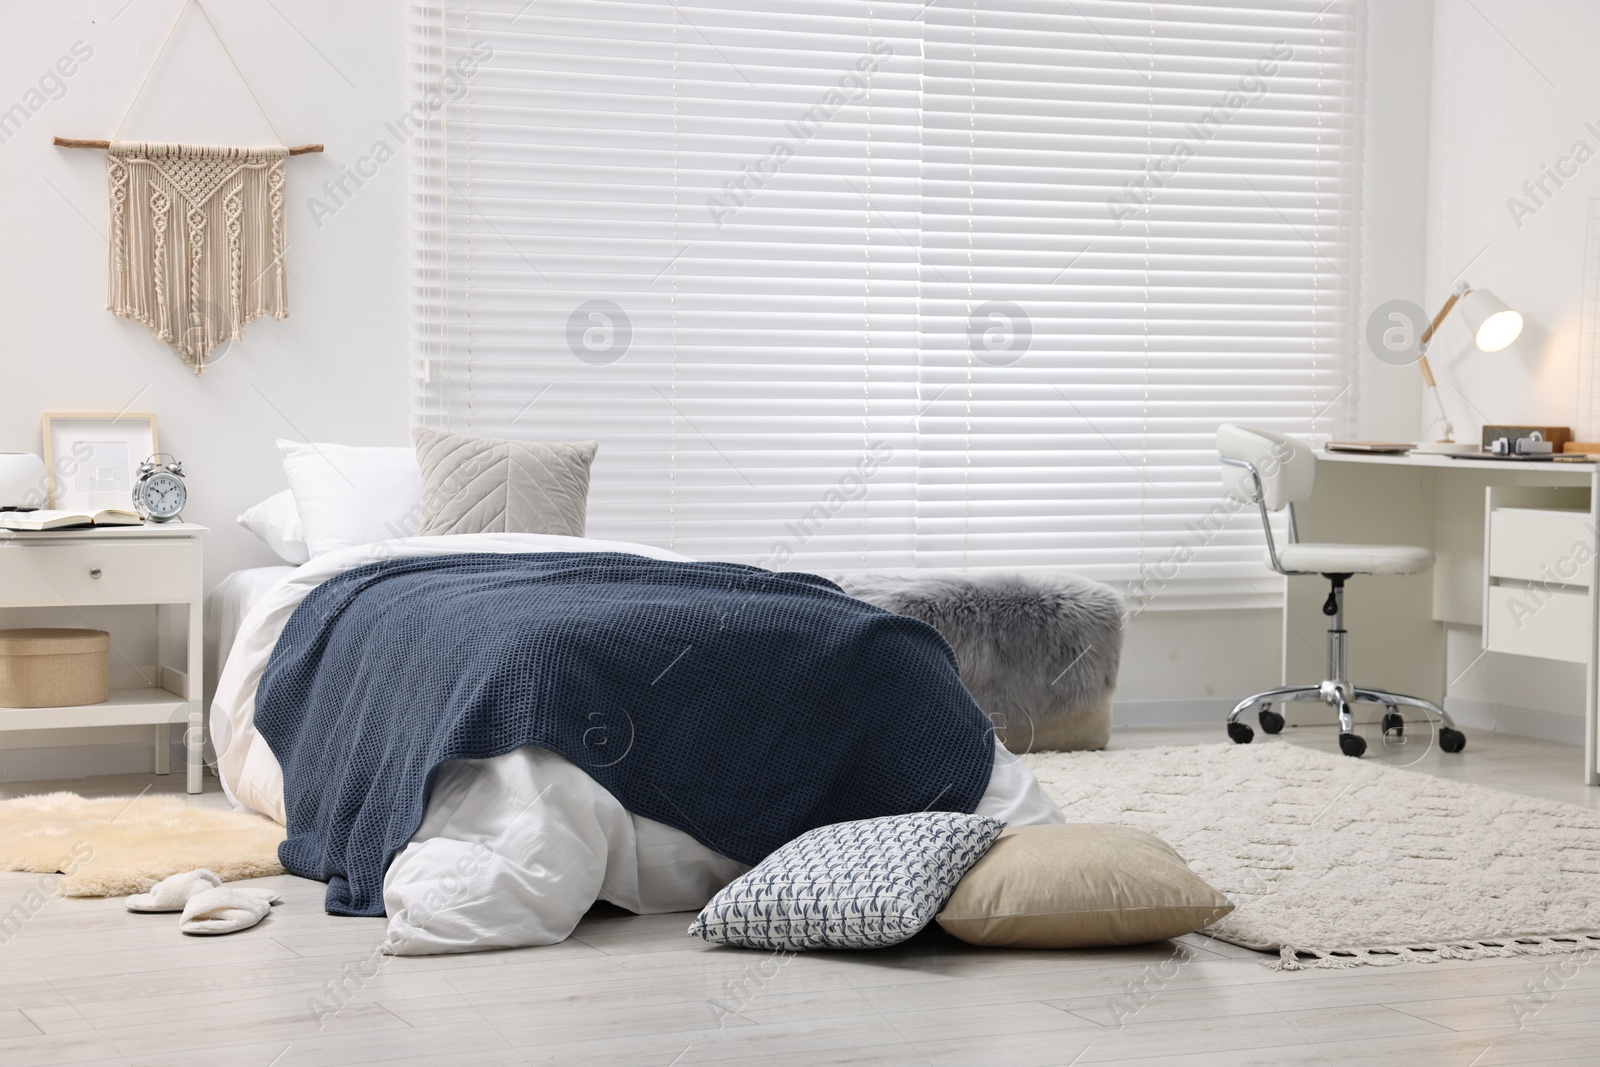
<point>233,62</point>
<point>151,69</point>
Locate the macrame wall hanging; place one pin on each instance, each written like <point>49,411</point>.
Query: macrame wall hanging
<point>197,232</point>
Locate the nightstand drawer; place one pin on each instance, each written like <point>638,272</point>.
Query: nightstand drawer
<point>126,572</point>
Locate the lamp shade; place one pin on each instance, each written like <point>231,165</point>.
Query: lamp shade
<point>1493,324</point>
<point>22,483</point>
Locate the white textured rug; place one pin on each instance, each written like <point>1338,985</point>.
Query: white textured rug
<point>1335,862</point>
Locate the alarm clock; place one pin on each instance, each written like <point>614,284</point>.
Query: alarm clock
<point>159,493</point>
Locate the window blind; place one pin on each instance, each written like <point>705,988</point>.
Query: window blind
<point>852,283</point>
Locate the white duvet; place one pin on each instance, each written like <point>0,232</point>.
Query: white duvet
<point>512,851</point>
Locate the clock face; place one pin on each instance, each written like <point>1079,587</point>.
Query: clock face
<point>162,496</point>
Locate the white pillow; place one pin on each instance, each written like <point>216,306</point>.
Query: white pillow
<point>352,496</point>
<point>277,522</point>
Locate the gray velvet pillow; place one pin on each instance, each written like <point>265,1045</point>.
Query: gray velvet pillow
<point>489,485</point>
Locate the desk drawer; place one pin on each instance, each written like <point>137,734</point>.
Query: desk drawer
<point>1532,622</point>
<point>129,573</point>
<point>1541,545</point>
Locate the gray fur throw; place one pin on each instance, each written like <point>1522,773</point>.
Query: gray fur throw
<point>1039,652</point>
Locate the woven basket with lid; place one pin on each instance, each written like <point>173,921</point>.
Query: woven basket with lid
<point>54,668</point>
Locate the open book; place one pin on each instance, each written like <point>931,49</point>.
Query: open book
<point>53,520</point>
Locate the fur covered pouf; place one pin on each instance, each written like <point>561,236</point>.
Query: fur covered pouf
<point>1038,652</point>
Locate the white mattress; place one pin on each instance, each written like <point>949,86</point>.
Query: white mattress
<point>512,851</point>
<point>225,609</point>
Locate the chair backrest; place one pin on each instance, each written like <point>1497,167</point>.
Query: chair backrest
<point>1288,468</point>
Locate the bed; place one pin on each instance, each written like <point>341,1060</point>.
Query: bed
<point>512,850</point>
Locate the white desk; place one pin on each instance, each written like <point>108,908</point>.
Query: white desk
<point>1397,625</point>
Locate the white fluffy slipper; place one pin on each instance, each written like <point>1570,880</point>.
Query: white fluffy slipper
<point>226,911</point>
<point>171,894</point>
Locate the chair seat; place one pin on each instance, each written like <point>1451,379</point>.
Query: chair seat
<point>1314,558</point>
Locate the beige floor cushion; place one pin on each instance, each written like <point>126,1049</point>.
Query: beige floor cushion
<point>1079,885</point>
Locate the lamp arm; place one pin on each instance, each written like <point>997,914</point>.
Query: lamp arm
<point>1433,388</point>
<point>1427,335</point>
<point>1460,291</point>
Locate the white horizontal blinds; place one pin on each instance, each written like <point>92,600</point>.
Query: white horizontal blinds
<point>1078,355</point>
<point>687,231</point>
<point>781,261</point>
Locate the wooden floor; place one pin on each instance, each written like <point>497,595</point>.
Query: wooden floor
<point>86,982</point>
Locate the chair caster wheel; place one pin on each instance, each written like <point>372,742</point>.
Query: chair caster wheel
<point>1352,744</point>
<point>1393,724</point>
<point>1452,740</point>
<point>1271,721</point>
<point>1240,733</point>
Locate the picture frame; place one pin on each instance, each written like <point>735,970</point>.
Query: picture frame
<point>92,460</point>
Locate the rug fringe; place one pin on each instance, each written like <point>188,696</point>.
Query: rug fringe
<point>1298,958</point>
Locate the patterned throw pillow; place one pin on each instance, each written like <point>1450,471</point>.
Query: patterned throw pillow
<point>866,884</point>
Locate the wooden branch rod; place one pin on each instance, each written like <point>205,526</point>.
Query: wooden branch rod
<point>74,142</point>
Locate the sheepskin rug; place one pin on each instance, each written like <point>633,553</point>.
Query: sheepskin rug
<point>114,846</point>
<point>1336,862</point>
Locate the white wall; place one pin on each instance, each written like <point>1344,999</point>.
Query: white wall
<point>1394,202</point>
<point>335,370</point>
<point>1513,86</point>
<point>1182,667</point>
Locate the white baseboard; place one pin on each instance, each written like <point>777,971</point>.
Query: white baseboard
<point>1214,711</point>
<point>82,761</point>
<point>1170,712</point>
<point>1468,714</point>
<point>1523,722</point>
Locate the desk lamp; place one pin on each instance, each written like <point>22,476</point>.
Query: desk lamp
<point>1493,326</point>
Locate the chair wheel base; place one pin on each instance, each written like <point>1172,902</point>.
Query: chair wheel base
<point>1452,740</point>
<point>1352,745</point>
<point>1394,724</point>
<point>1240,733</point>
<point>1271,721</point>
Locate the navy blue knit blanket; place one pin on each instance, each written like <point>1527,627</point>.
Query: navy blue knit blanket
<point>741,706</point>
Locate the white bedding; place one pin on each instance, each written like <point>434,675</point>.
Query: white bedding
<point>513,850</point>
<point>226,607</point>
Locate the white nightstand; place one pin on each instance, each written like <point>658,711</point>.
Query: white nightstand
<point>154,564</point>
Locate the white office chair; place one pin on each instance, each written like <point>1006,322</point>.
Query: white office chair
<point>1275,472</point>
